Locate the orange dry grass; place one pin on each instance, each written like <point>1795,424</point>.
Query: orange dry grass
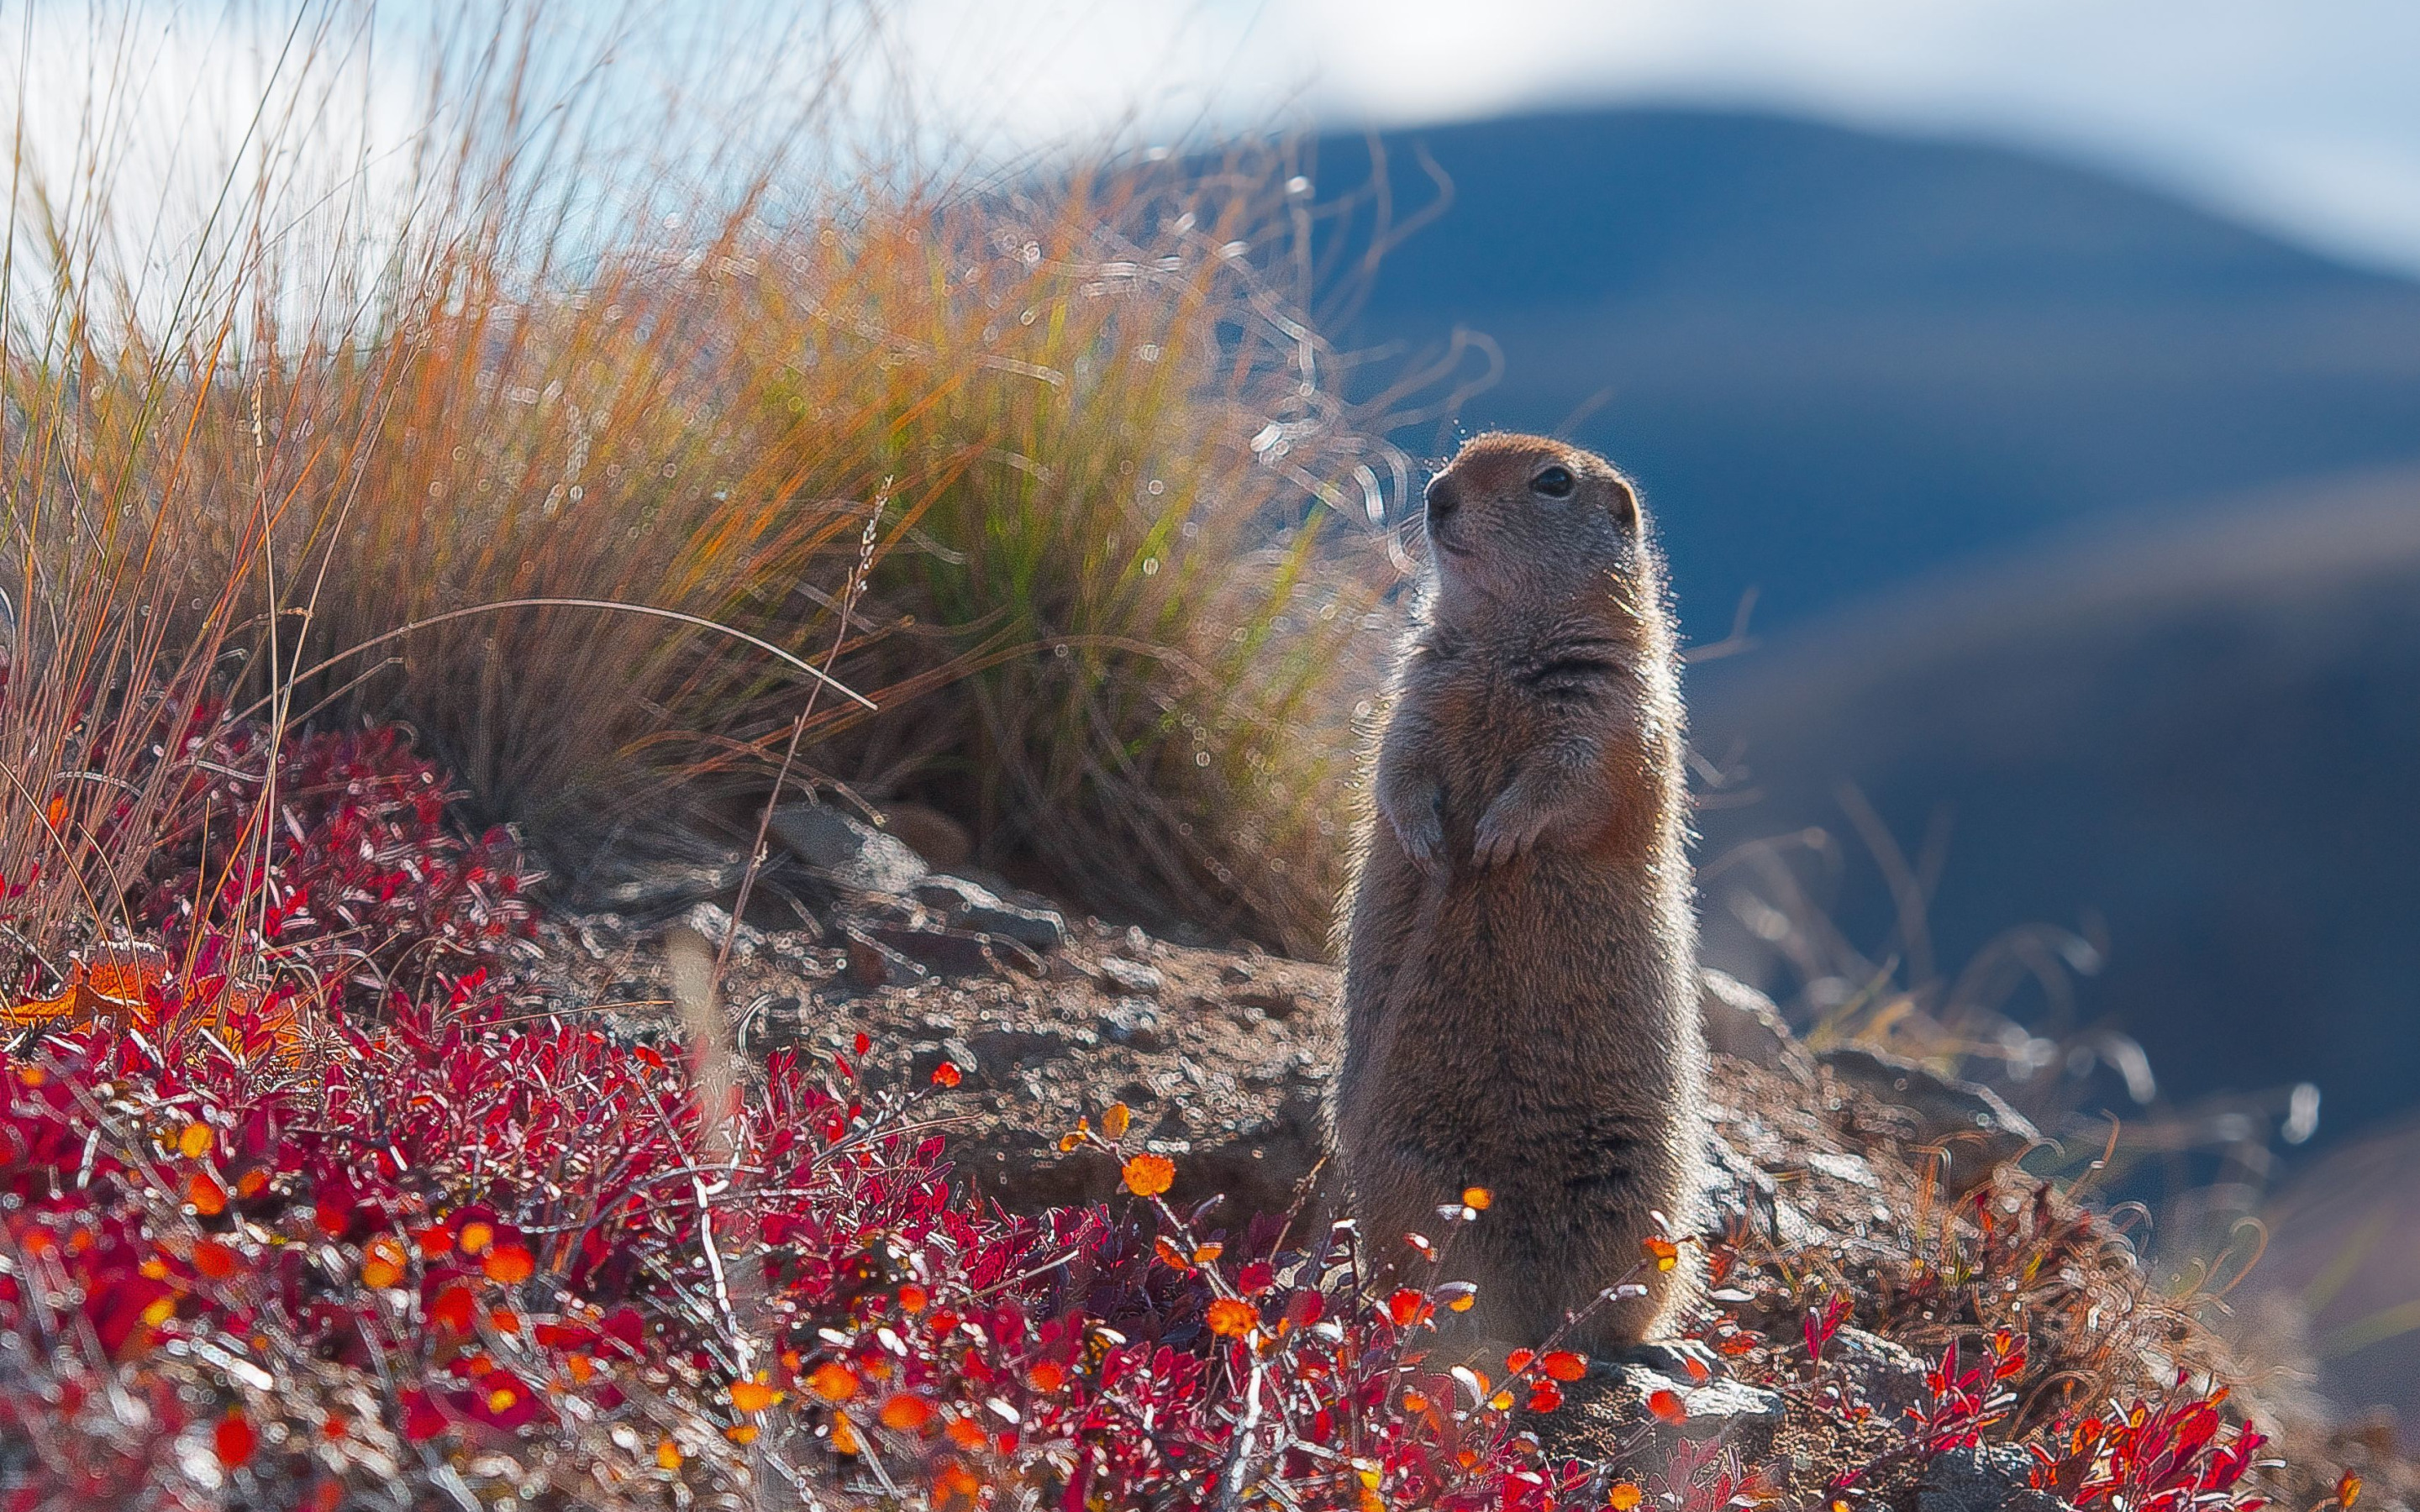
<point>1075,429</point>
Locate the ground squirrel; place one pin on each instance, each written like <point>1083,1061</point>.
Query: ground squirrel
<point>1521,996</point>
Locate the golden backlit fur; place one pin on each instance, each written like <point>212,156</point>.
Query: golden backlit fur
<point>1521,997</point>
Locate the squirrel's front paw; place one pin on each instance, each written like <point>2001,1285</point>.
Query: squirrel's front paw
<point>1419,827</point>
<point>1508,828</point>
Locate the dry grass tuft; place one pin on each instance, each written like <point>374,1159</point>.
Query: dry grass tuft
<point>565,338</point>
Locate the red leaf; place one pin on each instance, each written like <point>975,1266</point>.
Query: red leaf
<point>234,1440</point>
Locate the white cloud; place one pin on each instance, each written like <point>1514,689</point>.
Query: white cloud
<point>2302,116</point>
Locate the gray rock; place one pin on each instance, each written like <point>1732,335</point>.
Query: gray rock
<point>1882,1375</point>
<point>846,851</point>
<point>1856,1171</point>
<point>960,952</point>
<point>1736,1186</point>
<point>1742,1022</point>
<point>1973,1123</point>
<point>872,964</point>
<point>949,894</point>
<point>1011,1047</point>
<point>1743,1416</point>
<point>1992,1477</point>
<point>1276,1000</point>
<point>1131,1021</point>
<point>1131,976</point>
<point>1036,928</point>
<point>971,905</point>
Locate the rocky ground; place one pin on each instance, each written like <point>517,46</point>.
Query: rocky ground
<point>1843,1163</point>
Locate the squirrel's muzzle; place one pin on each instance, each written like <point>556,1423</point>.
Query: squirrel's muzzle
<point>1444,498</point>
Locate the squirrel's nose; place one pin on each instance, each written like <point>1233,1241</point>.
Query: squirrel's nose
<point>1443,497</point>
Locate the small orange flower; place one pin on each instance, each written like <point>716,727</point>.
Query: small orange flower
<point>1116,1120</point>
<point>1230,1318</point>
<point>1518,1360</point>
<point>912,1298</point>
<point>907,1412</point>
<point>214,1260</point>
<point>1477,1196</point>
<point>1662,1251</point>
<point>194,1140</point>
<point>742,1433</point>
<point>1668,1405</point>
<point>1148,1176</point>
<point>833,1382</point>
<point>2347,1488</point>
<point>1046,1376</point>
<point>966,1433</point>
<point>508,1264</point>
<point>476,1236</point>
<point>947,1074</point>
<point>753,1396</point>
<point>437,1241</point>
<point>668,1455</point>
<point>1564,1365</point>
<point>1623,1496</point>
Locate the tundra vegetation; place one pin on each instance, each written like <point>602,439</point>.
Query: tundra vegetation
<point>405,536</point>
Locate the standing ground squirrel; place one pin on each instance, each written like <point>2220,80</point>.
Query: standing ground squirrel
<point>1521,996</point>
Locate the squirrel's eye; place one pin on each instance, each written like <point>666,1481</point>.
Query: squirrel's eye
<point>1553,483</point>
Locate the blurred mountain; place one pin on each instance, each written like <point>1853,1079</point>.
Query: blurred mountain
<point>2081,518</point>
<point>1836,359</point>
<point>2196,740</point>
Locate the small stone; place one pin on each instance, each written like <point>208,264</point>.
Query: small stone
<point>1742,1023</point>
<point>1979,1129</point>
<point>1990,1477</point>
<point>846,851</point>
<point>1037,929</point>
<point>1138,943</point>
<point>958,952</point>
<point>1234,973</point>
<point>1131,976</point>
<point>1743,1416</point>
<point>1852,1169</point>
<point>1882,1375</point>
<point>1010,1047</point>
<point>1132,1023</point>
<point>1276,1001</point>
<point>871,964</point>
<point>951,894</point>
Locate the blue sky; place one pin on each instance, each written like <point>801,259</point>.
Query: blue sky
<point>2303,116</point>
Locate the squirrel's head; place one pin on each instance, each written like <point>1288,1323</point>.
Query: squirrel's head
<point>1522,521</point>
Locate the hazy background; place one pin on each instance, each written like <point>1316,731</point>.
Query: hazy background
<point>2046,378</point>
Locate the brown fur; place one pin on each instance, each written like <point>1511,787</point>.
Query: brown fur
<point>1521,1001</point>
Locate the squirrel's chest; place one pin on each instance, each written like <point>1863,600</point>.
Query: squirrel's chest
<point>1493,718</point>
